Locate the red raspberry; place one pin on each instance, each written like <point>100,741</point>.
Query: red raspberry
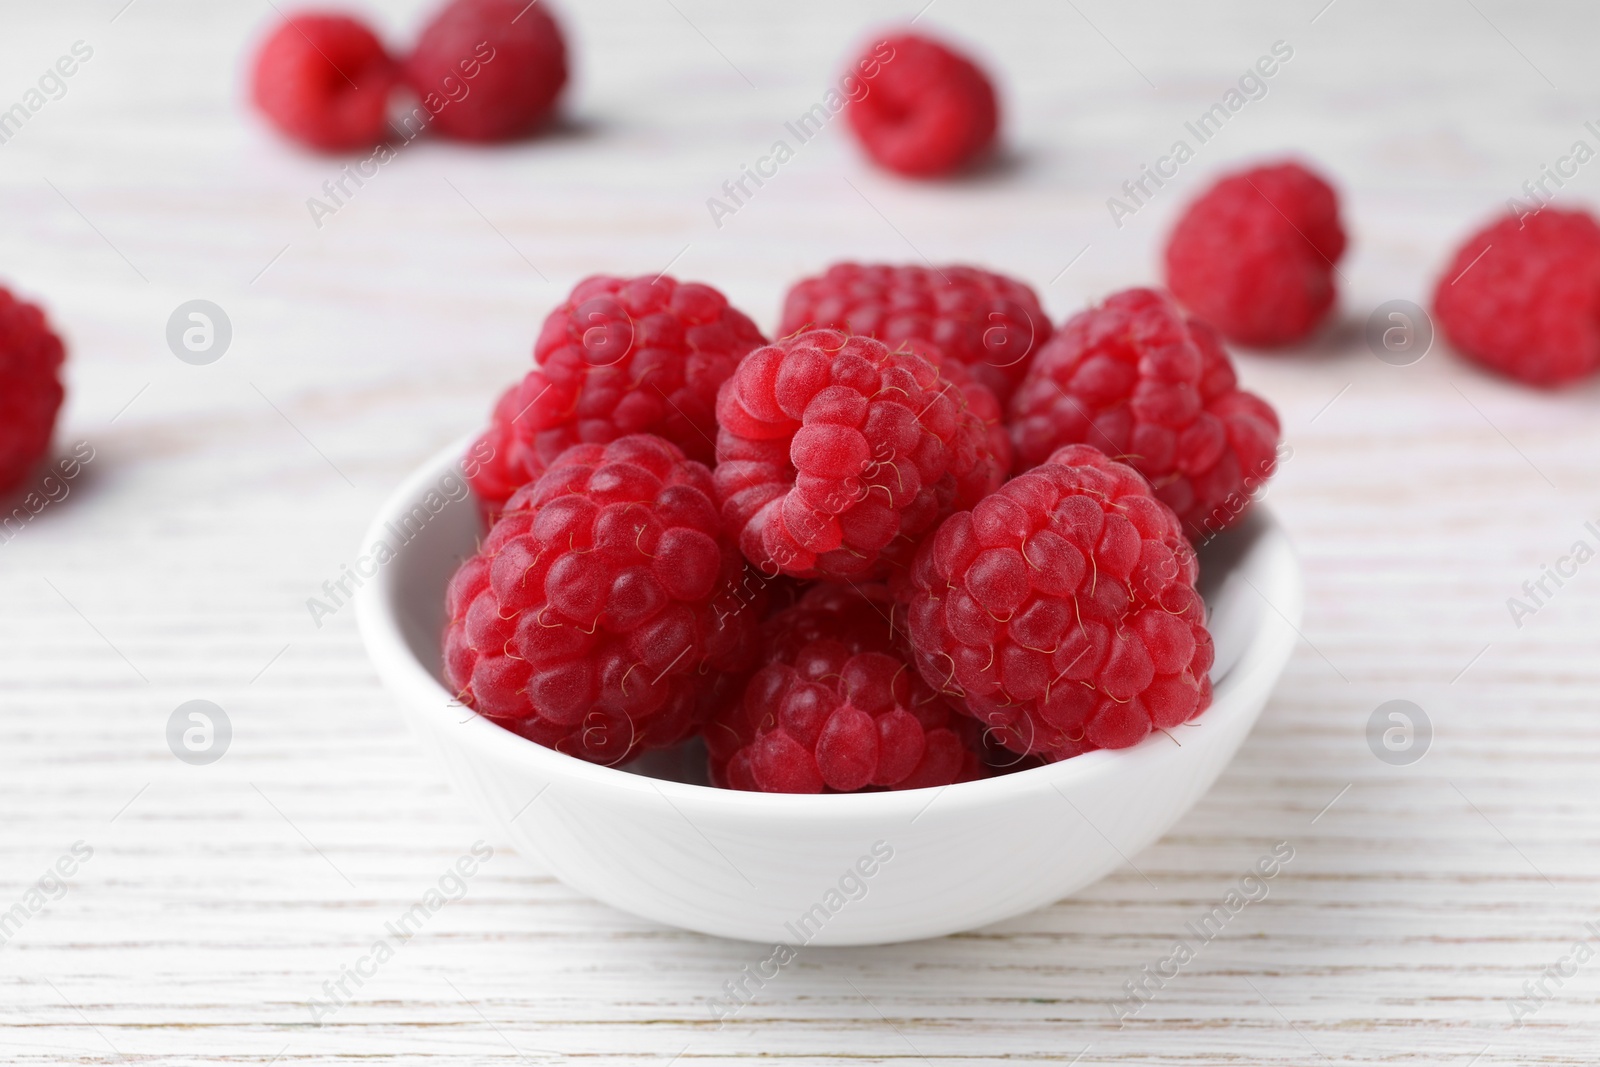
<point>1133,379</point>
<point>493,68</point>
<point>1255,255</point>
<point>989,323</point>
<point>620,357</point>
<point>925,109</point>
<point>836,708</point>
<point>595,616</point>
<point>995,454</point>
<point>835,453</point>
<point>30,387</point>
<point>1522,296</point>
<point>509,458</point>
<point>1062,610</point>
<point>325,80</point>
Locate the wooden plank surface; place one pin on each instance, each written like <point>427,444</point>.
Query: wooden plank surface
<point>219,899</point>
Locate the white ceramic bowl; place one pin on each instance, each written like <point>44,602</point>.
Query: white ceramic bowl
<point>827,870</point>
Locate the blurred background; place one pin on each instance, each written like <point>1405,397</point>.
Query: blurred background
<point>222,496</point>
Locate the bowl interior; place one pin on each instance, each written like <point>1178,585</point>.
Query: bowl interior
<point>432,544</point>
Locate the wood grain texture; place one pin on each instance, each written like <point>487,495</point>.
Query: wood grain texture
<point>219,899</point>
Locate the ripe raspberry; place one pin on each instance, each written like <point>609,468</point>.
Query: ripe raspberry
<point>325,80</point>
<point>509,458</point>
<point>30,387</point>
<point>987,322</point>
<point>600,609</point>
<point>1062,610</point>
<point>1133,379</point>
<point>835,454</point>
<point>995,454</point>
<point>493,68</point>
<point>1255,255</point>
<point>925,109</point>
<point>620,357</point>
<point>836,707</point>
<point>1522,296</point>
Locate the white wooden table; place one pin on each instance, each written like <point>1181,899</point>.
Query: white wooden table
<point>219,899</point>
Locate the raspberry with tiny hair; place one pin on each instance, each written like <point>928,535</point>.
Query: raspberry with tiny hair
<point>1061,611</point>
<point>619,356</point>
<point>834,454</point>
<point>986,322</point>
<point>600,614</point>
<point>1137,381</point>
<point>837,708</point>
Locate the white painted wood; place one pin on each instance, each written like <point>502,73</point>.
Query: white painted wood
<point>219,899</point>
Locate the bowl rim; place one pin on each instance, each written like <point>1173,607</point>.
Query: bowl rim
<point>409,678</point>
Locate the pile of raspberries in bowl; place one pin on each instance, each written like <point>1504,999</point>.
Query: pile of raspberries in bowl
<point>920,538</point>
<point>896,614</point>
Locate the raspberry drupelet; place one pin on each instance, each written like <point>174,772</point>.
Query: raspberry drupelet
<point>1255,255</point>
<point>620,356</point>
<point>30,387</point>
<point>1134,379</point>
<point>325,81</point>
<point>925,109</point>
<point>989,323</point>
<point>600,613</point>
<point>1061,612</point>
<point>489,70</point>
<point>835,454</point>
<point>836,707</point>
<point>1522,297</point>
